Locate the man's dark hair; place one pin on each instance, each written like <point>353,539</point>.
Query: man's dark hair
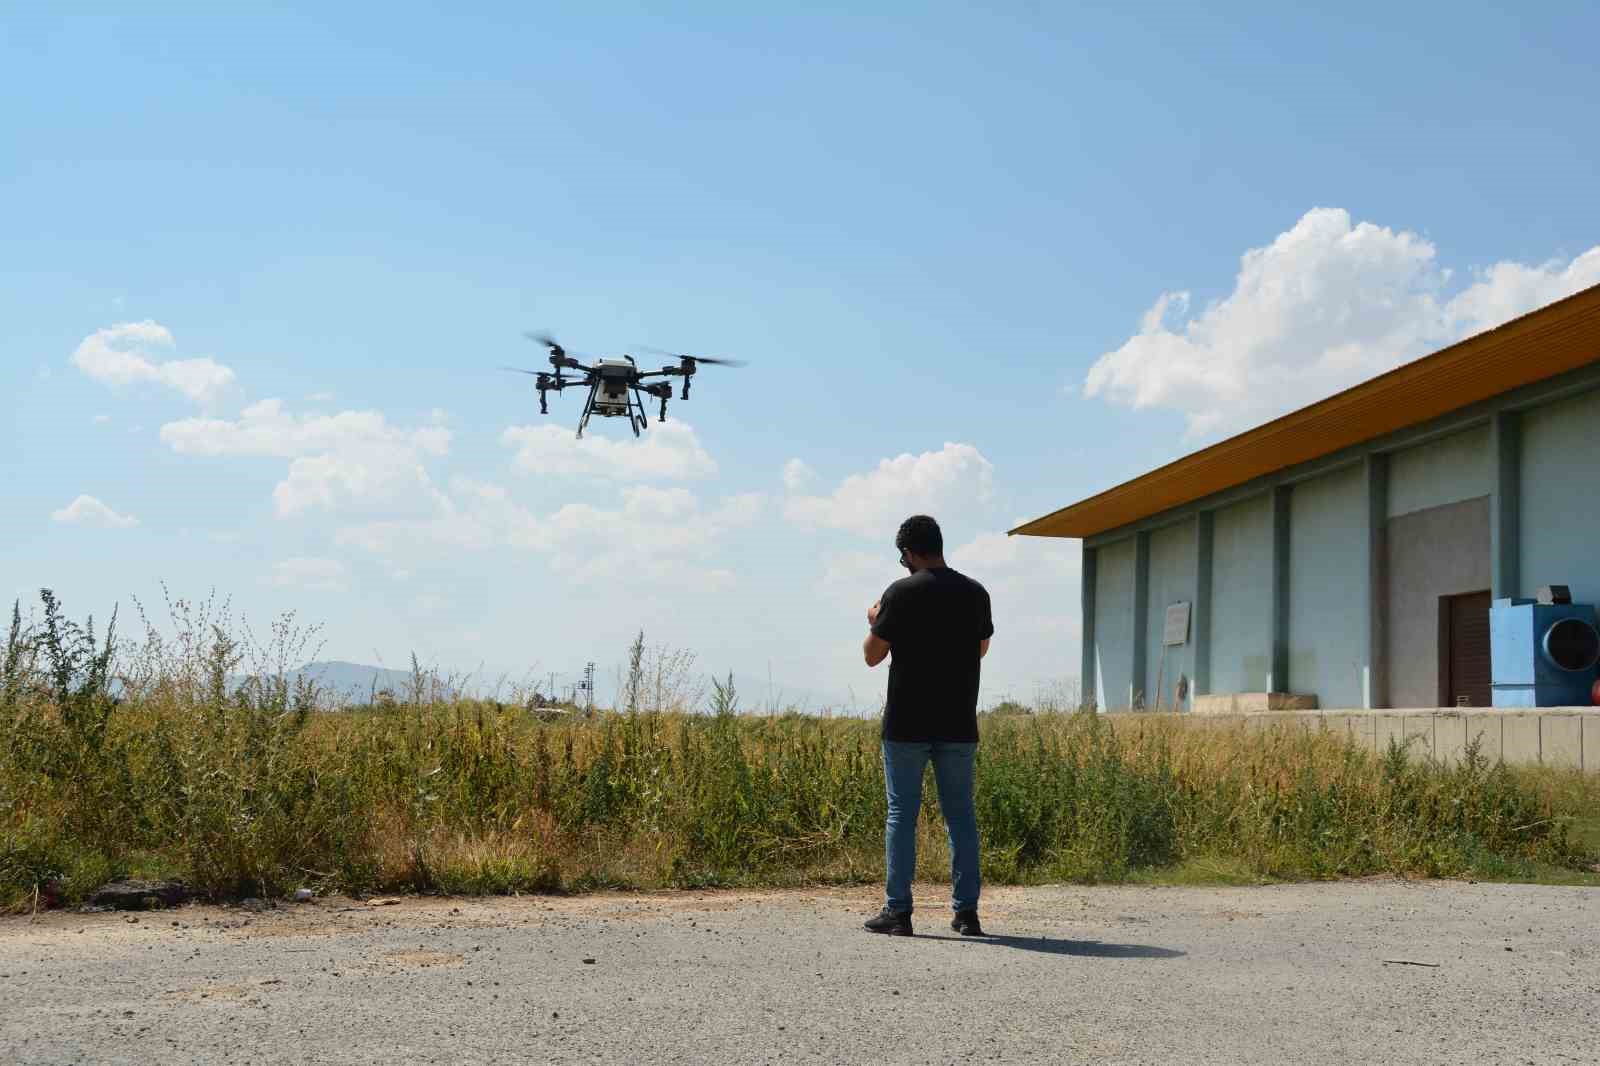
<point>920,535</point>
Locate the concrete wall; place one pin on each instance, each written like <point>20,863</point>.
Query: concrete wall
<point>1430,553</point>
<point>1241,596</point>
<point>1327,588</point>
<point>1560,523</point>
<point>1551,736</point>
<point>1448,470</point>
<point>1113,624</point>
<point>1172,573</point>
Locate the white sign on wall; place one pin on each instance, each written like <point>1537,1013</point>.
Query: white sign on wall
<point>1177,629</point>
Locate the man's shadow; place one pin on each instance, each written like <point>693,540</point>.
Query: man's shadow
<point>1082,948</point>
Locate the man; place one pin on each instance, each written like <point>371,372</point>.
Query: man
<point>936,625</point>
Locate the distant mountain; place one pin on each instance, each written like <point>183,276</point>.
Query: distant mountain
<point>343,682</point>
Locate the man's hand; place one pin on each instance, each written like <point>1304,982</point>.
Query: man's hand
<point>872,613</point>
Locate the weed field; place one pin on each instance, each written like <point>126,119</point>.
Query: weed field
<point>254,791</point>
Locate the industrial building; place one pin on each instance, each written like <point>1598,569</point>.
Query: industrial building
<point>1348,552</point>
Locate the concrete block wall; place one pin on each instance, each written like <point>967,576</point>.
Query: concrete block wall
<point>1567,737</point>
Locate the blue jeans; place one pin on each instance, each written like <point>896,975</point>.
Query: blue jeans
<point>903,763</point>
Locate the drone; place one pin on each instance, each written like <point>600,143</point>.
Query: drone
<point>617,387</point>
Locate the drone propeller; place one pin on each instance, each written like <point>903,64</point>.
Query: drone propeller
<point>692,359</point>
<point>519,370</point>
<point>546,341</point>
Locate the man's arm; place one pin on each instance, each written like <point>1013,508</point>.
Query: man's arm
<point>983,647</point>
<point>875,649</point>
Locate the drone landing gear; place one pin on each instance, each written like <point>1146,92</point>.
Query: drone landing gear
<point>588,409</point>
<point>642,420</point>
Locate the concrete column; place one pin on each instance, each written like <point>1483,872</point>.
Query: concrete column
<point>1087,681</point>
<point>1141,621</point>
<point>1278,675</point>
<point>1505,504</point>
<point>1200,623</point>
<point>1375,676</point>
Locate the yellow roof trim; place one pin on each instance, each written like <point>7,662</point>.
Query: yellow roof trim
<point>1557,338</point>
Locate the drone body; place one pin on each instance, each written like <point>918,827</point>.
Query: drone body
<point>616,387</point>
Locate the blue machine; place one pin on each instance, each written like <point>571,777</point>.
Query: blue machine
<point>1542,654</point>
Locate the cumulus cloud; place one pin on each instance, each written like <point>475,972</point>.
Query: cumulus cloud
<point>852,577</point>
<point>651,533</point>
<point>353,458</point>
<point>316,575</point>
<point>874,504</point>
<point>1326,305</point>
<point>124,354</point>
<point>88,511</point>
<point>1034,586</point>
<point>798,477</point>
<point>669,450</point>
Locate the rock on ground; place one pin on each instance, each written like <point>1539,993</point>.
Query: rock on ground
<point>137,895</point>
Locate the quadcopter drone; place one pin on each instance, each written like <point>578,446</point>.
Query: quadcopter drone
<point>617,387</point>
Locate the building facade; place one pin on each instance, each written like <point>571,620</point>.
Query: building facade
<point>1349,551</point>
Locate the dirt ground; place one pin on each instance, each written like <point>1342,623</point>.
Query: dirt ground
<point>1370,971</point>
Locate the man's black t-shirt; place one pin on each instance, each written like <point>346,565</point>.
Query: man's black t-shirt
<point>933,621</point>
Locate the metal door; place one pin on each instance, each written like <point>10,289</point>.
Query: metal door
<point>1464,650</point>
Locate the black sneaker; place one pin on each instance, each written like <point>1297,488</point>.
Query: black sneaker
<point>894,923</point>
<point>966,923</point>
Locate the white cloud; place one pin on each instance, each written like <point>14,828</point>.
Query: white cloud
<point>652,534</point>
<point>1324,306</point>
<point>852,577</point>
<point>954,478</point>
<point>353,458</point>
<point>666,450</point>
<point>320,397</point>
<point>316,575</point>
<point>122,355</point>
<point>100,420</point>
<point>798,477</point>
<point>1034,588</point>
<point>88,511</point>
<point>430,603</point>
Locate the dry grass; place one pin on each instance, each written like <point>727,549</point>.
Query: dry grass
<point>254,792</point>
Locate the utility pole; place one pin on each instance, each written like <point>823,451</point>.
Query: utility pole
<point>588,685</point>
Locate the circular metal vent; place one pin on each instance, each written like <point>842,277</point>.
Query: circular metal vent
<point>1572,644</point>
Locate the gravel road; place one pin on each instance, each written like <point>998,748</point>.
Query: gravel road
<point>1292,973</point>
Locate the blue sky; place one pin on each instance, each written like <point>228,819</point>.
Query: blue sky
<point>982,262</point>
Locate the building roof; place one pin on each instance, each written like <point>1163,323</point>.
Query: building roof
<point>1557,338</point>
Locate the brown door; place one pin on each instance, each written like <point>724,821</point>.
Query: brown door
<point>1464,650</point>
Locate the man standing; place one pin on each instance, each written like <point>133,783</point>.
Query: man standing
<point>936,624</point>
